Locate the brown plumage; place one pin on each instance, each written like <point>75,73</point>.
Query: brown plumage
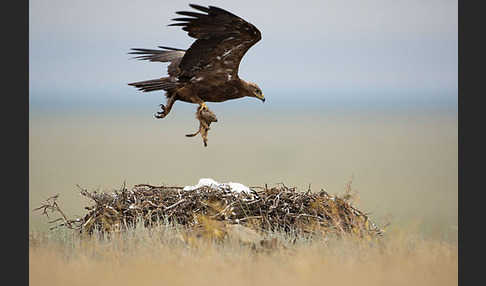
<point>208,70</point>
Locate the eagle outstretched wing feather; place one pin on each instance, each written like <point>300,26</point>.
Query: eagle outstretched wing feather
<point>222,40</point>
<point>166,54</point>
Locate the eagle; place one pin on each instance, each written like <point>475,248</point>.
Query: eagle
<point>208,70</point>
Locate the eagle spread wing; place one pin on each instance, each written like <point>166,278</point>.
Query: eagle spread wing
<point>222,40</point>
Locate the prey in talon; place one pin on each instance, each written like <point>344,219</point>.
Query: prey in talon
<point>208,70</point>
<point>205,117</point>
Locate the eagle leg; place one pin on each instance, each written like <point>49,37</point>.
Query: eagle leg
<point>202,107</point>
<point>165,109</point>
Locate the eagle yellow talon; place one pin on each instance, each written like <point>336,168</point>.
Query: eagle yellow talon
<point>203,106</point>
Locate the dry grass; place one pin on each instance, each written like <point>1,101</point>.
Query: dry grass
<point>159,256</point>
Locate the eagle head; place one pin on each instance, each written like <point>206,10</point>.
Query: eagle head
<point>255,91</point>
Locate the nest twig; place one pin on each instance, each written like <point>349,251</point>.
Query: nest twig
<point>50,205</point>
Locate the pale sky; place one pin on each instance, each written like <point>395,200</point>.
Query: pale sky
<point>358,49</point>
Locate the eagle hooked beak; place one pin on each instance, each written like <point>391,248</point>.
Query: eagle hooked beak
<point>261,97</point>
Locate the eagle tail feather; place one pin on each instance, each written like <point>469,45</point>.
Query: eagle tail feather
<point>165,83</point>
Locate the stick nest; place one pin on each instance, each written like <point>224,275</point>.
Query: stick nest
<point>266,209</point>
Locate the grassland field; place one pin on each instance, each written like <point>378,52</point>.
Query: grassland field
<point>402,164</point>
